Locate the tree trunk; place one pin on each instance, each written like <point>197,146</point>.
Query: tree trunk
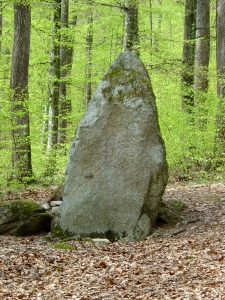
<point>65,66</point>
<point>187,76</point>
<point>1,19</point>
<point>150,22</point>
<point>220,62</point>
<point>54,72</point>
<point>158,27</point>
<point>21,147</point>
<point>202,51</point>
<point>44,138</point>
<point>131,39</point>
<point>88,69</point>
<point>66,58</point>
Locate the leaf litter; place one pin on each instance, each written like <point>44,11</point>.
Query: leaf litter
<point>188,265</point>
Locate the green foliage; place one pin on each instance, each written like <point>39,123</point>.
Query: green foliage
<point>190,150</point>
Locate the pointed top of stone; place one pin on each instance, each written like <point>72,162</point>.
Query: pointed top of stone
<point>126,83</point>
<point>129,60</point>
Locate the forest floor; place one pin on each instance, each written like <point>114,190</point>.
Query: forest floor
<point>184,259</point>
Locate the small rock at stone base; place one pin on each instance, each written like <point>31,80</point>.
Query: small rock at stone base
<point>101,241</point>
<point>55,203</point>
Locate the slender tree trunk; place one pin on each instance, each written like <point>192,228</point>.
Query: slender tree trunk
<point>54,72</point>
<point>202,51</point>
<point>44,138</point>
<point>65,106</point>
<point>66,59</point>
<point>131,39</point>
<point>187,76</point>
<point>21,155</point>
<point>220,62</point>
<point>88,69</point>
<point>158,27</point>
<point>150,22</point>
<point>1,19</point>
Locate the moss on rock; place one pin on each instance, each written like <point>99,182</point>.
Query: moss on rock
<point>23,217</point>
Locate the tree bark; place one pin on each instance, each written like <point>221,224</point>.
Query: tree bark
<point>150,22</point>
<point>187,76</point>
<point>131,38</point>
<point>88,68</point>
<point>1,19</point>
<point>54,72</point>
<point>21,146</point>
<point>158,27</point>
<point>202,51</point>
<point>65,66</point>
<point>220,62</point>
<point>202,54</point>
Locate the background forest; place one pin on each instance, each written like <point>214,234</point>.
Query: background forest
<point>92,37</point>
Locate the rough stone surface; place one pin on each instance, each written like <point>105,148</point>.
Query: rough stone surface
<point>23,217</point>
<point>117,171</point>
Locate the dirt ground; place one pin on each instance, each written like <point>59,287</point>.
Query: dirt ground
<point>181,259</point>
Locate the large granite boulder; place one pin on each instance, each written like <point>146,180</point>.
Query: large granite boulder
<point>117,171</point>
<point>23,217</point>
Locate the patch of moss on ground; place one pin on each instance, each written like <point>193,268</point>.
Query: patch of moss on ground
<point>177,205</point>
<point>212,197</point>
<point>66,239</point>
<point>64,246</point>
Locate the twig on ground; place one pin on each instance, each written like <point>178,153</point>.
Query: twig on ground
<point>177,232</point>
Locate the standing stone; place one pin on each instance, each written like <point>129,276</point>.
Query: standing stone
<point>117,171</point>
